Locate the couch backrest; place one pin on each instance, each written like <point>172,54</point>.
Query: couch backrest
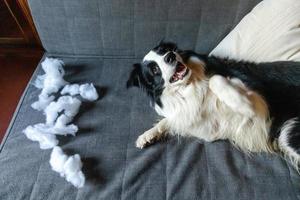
<point>130,28</point>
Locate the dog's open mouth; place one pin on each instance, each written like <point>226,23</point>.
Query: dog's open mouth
<point>180,72</point>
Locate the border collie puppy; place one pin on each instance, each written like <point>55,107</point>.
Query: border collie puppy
<point>255,106</point>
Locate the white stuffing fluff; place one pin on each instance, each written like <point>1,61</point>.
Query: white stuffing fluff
<point>43,102</point>
<point>57,160</point>
<point>54,72</point>
<point>86,91</point>
<point>72,169</point>
<point>62,128</point>
<point>72,89</point>
<point>67,166</point>
<point>56,121</point>
<point>59,115</point>
<point>50,82</point>
<point>57,130</point>
<point>45,139</point>
<point>39,81</point>
<point>70,106</point>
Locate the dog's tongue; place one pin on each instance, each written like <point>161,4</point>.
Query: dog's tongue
<point>180,71</point>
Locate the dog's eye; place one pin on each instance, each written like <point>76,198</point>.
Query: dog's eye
<point>155,69</point>
<point>170,57</point>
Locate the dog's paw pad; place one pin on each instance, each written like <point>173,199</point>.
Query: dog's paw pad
<point>141,142</point>
<point>144,140</point>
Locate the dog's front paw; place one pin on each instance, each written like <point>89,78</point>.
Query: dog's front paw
<point>146,139</point>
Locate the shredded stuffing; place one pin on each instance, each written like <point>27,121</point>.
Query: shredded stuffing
<point>67,166</point>
<point>67,104</point>
<point>59,116</point>
<point>87,91</point>
<point>46,140</point>
<point>50,82</point>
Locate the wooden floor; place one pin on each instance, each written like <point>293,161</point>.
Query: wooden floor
<point>15,73</point>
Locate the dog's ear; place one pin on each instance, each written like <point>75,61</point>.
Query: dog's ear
<point>134,79</point>
<point>164,47</point>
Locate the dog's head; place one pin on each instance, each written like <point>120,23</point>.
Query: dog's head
<point>163,67</point>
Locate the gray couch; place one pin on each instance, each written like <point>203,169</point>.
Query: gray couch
<point>99,40</point>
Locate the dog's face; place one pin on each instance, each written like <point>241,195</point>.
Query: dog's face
<point>171,66</point>
<point>162,67</point>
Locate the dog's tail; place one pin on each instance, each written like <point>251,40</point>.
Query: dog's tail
<point>289,141</point>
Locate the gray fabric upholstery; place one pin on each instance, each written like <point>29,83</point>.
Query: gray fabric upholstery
<point>177,168</point>
<point>130,28</point>
<point>99,40</point>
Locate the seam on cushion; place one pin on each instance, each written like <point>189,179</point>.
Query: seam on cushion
<point>68,27</point>
<point>134,28</point>
<point>126,154</point>
<point>36,178</point>
<point>290,178</point>
<point>93,56</point>
<point>167,25</point>
<point>237,12</point>
<point>166,165</point>
<point>101,26</point>
<point>17,110</point>
<point>208,172</point>
<point>77,191</point>
<point>125,167</point>
<point>127,142</point>
<point>76,198</point>
<point>198,32</point>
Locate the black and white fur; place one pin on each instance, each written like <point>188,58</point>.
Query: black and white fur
<point>255,106</point>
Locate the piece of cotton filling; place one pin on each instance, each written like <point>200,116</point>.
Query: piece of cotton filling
<point>50,82</point>
<point>67,166</point>
<point>46,140</point>
<point>67,104</point>
<point>86,91</point>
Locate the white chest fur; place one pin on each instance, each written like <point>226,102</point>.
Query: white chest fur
<point>194,110</point>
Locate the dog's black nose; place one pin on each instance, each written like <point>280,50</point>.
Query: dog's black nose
<point>170,57</point>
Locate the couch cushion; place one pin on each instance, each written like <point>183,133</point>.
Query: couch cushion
<point>270,32</point>
<point>178,168</point>
<point>130,28</point>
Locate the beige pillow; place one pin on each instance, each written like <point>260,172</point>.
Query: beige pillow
<point>270,32</point>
